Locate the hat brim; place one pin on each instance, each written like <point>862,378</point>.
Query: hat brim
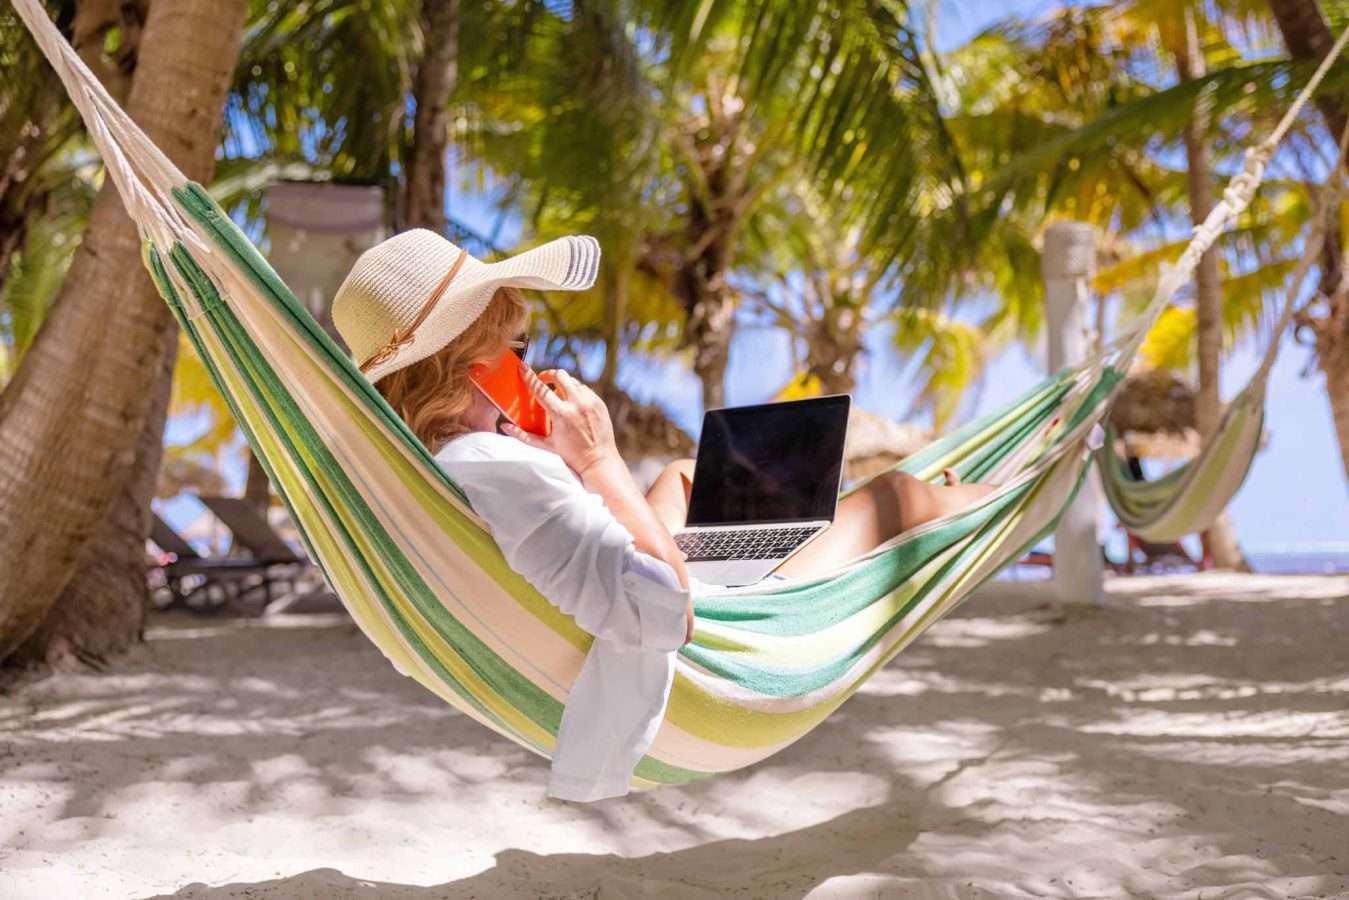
<point>568,263</point>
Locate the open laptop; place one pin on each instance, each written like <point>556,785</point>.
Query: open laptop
<point>765,484</point>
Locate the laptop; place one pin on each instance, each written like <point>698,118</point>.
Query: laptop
<point>765,484</point>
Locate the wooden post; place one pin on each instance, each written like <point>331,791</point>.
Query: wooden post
<point>1066,265</point>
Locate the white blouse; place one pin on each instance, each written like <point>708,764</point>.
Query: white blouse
<point>568,545</point>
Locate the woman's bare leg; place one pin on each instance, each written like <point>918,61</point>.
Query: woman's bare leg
<point>669,494</point>
<point>887,505</point>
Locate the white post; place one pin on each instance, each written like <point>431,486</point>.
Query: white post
<point>1066,265</point>
<point>317,230</point>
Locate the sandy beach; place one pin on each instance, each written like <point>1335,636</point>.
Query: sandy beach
<point>1189,738</point>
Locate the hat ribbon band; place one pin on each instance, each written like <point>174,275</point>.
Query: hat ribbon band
<point>404,335</point>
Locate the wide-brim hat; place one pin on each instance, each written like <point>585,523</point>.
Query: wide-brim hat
<point>411,294</point>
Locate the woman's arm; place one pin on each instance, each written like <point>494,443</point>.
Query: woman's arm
<point>583,436</point>
<point>610,478</point>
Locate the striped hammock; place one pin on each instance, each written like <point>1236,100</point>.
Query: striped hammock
<point>420,575</point>
<point>1189,498</point>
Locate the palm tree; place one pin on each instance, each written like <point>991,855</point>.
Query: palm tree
<point>725,103</point>
<point>830,296</point>
<point>86,403</point>
<point>1326,324</point>
<point>1100,66</point>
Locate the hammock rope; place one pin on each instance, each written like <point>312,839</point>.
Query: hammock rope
<point>420,575</point>
<point>1189,499</point>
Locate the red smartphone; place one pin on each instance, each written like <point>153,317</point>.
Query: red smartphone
<point>503,382</point>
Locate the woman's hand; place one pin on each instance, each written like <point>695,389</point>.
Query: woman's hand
<point>582,433</point>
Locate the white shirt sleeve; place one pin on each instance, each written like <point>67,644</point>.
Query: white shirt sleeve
<point>566,543</point>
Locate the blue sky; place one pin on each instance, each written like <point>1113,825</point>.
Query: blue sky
<point>1296,493</point>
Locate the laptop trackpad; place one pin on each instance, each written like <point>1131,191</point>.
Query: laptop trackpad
<point>731,573</point>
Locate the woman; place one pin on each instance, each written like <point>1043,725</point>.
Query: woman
<point>417,312</point>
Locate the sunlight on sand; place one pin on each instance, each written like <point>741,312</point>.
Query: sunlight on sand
<point>1135,749</point>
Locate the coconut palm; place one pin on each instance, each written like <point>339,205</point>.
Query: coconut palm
<point>81,409</point>
<point>696,132</point>
<point>830,296</point>
<point>1076,130</point>
<point>1324,324</point>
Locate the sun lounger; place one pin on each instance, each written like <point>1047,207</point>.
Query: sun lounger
<point>199,583</point>
<point>254,533</point>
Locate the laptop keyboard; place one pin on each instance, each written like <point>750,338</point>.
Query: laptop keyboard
<point>752,543</point>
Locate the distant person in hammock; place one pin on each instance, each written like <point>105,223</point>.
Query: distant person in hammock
<point>419,314</point>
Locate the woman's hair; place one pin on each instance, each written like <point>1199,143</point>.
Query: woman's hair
<point>432,394</point>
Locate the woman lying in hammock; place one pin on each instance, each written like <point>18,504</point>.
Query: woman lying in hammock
<point>418,312</point>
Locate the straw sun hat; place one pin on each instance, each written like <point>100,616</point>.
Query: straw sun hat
<point>411,294</point>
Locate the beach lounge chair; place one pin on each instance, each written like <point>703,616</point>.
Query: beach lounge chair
<point>1160,556</point>
<point>255,534</point>
<point>199,583</point>
<point>251,531</point>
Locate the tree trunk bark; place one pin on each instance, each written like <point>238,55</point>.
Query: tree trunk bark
<point>709,331</point>
<point>424,197</point>
<point>73,416</point>
<point>1221,537</point>
<point>616,280</point>
<point>1308,37</point>
<point>705,294</point>
<point>1335,365</point>
<point>833,345</point>
<point>102,610</point>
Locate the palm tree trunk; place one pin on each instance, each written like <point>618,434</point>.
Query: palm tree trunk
<point>1334,362</point>
<point>616,280</point>
<point>1308,37</point>
<point>1221,537</point>
<point>709,302</point>
<point>72,418</point>
<point>709,330</point>
<point>424,191</point>
<point>102,610</point>
<point>833,345</point>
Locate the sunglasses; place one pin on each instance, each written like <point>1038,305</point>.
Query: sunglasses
<point>519,346</point>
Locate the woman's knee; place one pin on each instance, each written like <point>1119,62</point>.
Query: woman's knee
<point>912,497</point>
<point>901,483</point>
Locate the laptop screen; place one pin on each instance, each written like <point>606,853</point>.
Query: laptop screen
<point>773,462</point>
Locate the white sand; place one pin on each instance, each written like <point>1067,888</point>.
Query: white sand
<point>1188,739</point>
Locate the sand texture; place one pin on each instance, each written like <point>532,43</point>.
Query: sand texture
<point>1188,739</point>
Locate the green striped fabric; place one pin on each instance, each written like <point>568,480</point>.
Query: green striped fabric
<point>1189,498</point>
<point>422,578</point>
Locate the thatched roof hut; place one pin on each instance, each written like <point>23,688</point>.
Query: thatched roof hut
<point>644,430</point>
<point>876,443</point>
<point>647,439</point>
<point>1154,414</point>
<point>1153,400</point>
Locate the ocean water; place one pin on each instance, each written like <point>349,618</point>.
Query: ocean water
<point>1295,559</point>
<point>1306,562</point>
